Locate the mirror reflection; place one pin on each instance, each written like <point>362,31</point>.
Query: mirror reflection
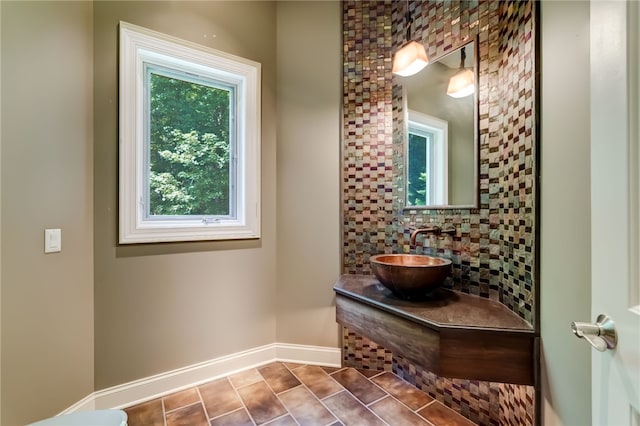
<point>440,145</point>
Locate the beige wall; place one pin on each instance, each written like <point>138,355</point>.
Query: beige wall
<point>565,289</point>
<point>309,98</point>
<point>165,306</point>
<point>47,308</point>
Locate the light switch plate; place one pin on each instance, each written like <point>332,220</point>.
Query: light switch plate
<point>52,240</point>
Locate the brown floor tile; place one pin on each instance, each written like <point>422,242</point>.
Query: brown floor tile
<point>282,421</point>
<point>236,418</point>
<point>407,394</point>
<point>396,414</point>
<point>325,394</point>
<point>293,365</point>
<point>181,399</point>
<point>278,377</point>
<point>245,378</point>
<point>317,380</point>
<point>261,402</point>
<point>368,373</point>
<point>219,397</point>
<point>441,415</point>
<point>193,415</point>
<point>358,385</point>
<point>305,408</point>
<point>350,411</point>
<point>147,414</point>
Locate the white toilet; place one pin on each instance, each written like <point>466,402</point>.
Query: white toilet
<point>87,418</point>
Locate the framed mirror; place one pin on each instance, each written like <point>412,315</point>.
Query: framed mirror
<point>441,132</point>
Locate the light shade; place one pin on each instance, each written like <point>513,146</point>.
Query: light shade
<point>461,84</point>
<point>409,59</point>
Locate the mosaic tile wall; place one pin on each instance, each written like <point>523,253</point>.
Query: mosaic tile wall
<point>475,249</point>
<point>493,251</point>
<point>516,405</point>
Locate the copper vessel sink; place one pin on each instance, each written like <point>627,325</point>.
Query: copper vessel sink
<point>410,276</point>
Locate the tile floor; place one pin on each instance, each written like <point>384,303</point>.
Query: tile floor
<point>294,394</point>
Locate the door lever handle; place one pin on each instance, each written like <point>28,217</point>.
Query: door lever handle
<point>601,335</point>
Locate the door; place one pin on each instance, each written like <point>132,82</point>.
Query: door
<point>615,208</point>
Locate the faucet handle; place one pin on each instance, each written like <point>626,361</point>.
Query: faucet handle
<point>451,230</point>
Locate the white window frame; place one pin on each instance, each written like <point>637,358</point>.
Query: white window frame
<point>139,46</point>
<point>438,163</point>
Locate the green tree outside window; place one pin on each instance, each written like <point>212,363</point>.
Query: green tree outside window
<point>189,148</point>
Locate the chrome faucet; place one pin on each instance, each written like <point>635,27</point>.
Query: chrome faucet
<point>435,229</point>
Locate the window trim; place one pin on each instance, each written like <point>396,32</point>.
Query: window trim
<point>138,45</point>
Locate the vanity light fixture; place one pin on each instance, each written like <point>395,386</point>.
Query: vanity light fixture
<point>462,83</point>
<point>411,57</point>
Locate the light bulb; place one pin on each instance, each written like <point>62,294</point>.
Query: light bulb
<point>409,59</point>
<point>461,84</point>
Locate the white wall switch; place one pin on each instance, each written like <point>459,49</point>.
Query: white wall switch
<point>52,240</point>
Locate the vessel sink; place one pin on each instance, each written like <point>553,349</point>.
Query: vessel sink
<point>410,276</point>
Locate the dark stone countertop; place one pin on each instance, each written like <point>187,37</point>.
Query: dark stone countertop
<point>444,309</point>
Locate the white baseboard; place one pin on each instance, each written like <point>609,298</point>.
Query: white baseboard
<point>311,355</point>
<point>162,384</point>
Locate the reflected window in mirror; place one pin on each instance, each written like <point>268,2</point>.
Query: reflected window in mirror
<point>427,177</point>
<point>441,165</point>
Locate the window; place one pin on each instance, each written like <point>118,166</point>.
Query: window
<point>427,171</point>
<point>189,141</point>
